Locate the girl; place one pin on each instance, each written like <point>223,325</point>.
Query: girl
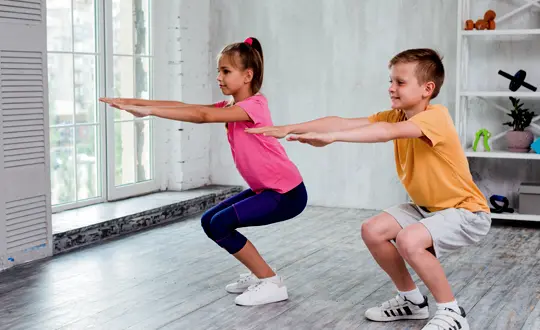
<point>277,191</point>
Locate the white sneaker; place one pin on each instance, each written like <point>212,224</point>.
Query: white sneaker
<point>447,319</point>
<point>244,282</point>
<point>398,309</point>
<point>264,292</point>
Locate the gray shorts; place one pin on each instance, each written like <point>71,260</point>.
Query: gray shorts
<point>450,229</point>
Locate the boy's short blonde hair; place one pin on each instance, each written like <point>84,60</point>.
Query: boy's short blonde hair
<point>429,66</point>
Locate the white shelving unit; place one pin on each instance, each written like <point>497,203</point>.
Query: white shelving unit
<point>497,32</point>
<point>465,37</point>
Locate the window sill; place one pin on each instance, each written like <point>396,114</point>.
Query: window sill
<point>92,224</point>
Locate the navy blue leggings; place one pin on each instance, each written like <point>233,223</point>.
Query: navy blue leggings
<point>249,209</point>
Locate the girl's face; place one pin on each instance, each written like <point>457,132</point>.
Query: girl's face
<point>232,80</point>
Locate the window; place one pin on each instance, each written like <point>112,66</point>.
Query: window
<point>98,48</point>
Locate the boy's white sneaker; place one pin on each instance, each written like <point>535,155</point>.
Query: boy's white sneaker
<point>243,283</point>
<point>448,319</point>
<point>264,292</point>
<point>398,308</point>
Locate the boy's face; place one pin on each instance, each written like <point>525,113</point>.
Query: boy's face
<point>405,91</point>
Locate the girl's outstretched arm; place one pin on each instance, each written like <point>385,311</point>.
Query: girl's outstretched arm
<point>144,103</point>
<point>193,113</point>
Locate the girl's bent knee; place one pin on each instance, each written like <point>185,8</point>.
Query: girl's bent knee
<point>205,222</point>
<point>223,223</point>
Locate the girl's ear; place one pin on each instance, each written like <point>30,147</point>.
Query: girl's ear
<point>248,76</point>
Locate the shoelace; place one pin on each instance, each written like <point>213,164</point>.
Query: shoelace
<point>256,287</point>
<point>244,278</point>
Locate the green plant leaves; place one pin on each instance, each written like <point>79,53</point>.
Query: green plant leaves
<point>522,118</point>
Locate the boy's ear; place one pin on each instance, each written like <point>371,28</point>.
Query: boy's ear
<point>430,87</point>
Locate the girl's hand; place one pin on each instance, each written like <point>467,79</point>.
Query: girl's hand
<point>135,110</point>
<point>274,131</point>
<point>112,101</point>
<point>314,139</point>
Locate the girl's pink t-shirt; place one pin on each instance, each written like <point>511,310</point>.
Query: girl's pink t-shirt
<point>261,160</point>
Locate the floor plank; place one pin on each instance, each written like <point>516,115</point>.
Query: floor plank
<point>173,277</point>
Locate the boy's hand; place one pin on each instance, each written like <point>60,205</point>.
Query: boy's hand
<point>135,110</point>
<point>314,139</point>
<point>274,131</point>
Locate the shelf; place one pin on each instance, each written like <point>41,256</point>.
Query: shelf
<point>509,39</point>
<point>516,32</point>
<point>501,94</point>
<point>501,154</point>
<point>515,216</point>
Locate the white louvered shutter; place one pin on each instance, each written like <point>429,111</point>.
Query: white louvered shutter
<point>25,216</point>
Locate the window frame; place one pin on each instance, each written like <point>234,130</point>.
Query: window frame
<point>105,121</point>
<point>129,190</point>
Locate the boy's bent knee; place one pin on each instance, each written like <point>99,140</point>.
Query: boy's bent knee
<point>412,241</point>
<point>380,228</point>
<point>405,244</point>
<point>368,231</point>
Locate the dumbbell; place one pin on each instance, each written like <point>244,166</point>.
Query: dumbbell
<point>517,80</point>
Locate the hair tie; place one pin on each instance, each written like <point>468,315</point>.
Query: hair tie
<point>249,41</point>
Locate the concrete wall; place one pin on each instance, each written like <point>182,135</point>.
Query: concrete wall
<point>330,58</point>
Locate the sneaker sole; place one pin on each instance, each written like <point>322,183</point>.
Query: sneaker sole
<point>235,291</point>
<point>281,297</point>
<point>397,318</point>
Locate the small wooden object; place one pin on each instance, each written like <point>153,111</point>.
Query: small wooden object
<point>481,25</point>
<point>485,23</point>
<point>490,15</point>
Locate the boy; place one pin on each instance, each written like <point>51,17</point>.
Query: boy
<point>449,210</point>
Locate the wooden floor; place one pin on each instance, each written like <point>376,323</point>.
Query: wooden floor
<point>173,277</point>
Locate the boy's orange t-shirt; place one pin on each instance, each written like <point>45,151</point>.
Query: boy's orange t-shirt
<point>436,176</point>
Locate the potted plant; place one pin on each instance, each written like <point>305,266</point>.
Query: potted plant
<point>519,139</point>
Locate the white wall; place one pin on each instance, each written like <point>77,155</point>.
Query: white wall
<point>330,58</point>
<point>182,73</point>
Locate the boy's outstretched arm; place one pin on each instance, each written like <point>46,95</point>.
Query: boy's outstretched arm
<point>321,125</point>
<point>372,133</point>
<point>194,113</point>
